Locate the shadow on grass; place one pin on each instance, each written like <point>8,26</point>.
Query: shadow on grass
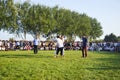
<point>104,68</point>
<point>106,63</point>
<point>25,56</point>
<point>114,59</point>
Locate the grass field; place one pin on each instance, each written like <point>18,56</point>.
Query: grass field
<point>24,65</point>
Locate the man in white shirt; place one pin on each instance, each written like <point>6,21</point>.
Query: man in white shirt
<point>63,39</point>
<point>59,46</point>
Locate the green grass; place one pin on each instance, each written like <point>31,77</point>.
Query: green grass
<point>24,65</point>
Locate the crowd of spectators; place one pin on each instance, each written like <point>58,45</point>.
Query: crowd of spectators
<point>6,45</point>
<point>95,46</point>
<point>105,46</point>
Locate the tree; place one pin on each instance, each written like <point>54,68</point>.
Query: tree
<point>110,38</point>
<point>119,38</point>
<point>34,20</point>
<point>22,18</point>
<point>8,15</point>
<point>84,26</point>
<point>39,19</point>
<point>96,30</point>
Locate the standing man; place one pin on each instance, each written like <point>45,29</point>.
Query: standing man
<point>59,46</point>
<point>62,38</point>
<point>35,44</point>
<point>84,46</point>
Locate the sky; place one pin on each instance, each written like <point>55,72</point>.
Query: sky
<point>107,12</point>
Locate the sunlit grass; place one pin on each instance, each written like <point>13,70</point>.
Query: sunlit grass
<point>24,65</point>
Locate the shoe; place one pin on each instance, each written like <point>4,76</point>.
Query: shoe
<point>55,56</point>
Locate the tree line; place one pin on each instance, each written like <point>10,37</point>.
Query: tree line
<point>36,19</point>
<point>112,38</point>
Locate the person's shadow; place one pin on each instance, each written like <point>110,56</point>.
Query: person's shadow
<point>25,56</point>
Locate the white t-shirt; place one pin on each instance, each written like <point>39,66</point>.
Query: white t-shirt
<point>59,43</point>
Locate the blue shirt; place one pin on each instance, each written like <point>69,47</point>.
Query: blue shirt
<point>84,40</point>
<point>35,42</point>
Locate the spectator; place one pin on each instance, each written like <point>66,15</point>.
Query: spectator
<point>84,46</point>
<point>35,43</point>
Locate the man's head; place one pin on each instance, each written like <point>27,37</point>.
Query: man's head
<point>57,36</point>
<point>84,36</point>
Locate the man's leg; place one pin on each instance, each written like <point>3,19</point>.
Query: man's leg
<point>36,49</point>
<point>61,51</point>
<point>83,52</point>
<point>57,51</point>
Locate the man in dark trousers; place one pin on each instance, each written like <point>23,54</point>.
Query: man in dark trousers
<point>59,46</point>
<point>84,46</point>
<point>35,43</point>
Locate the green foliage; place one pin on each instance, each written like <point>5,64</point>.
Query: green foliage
<point>110,38</point>
<point>8,15</point>
<point>84,26</point>
<point>118,38</point>
<point>96,30</point>
<point>38,19</point>
<point>24,65</point>
<point>22,18</point>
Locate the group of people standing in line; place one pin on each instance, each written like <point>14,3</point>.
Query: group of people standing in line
<point>60,46</point>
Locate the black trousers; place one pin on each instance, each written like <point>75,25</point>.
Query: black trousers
<point>35,49</point>
<point>59,50</point>
<point>84,51</point>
